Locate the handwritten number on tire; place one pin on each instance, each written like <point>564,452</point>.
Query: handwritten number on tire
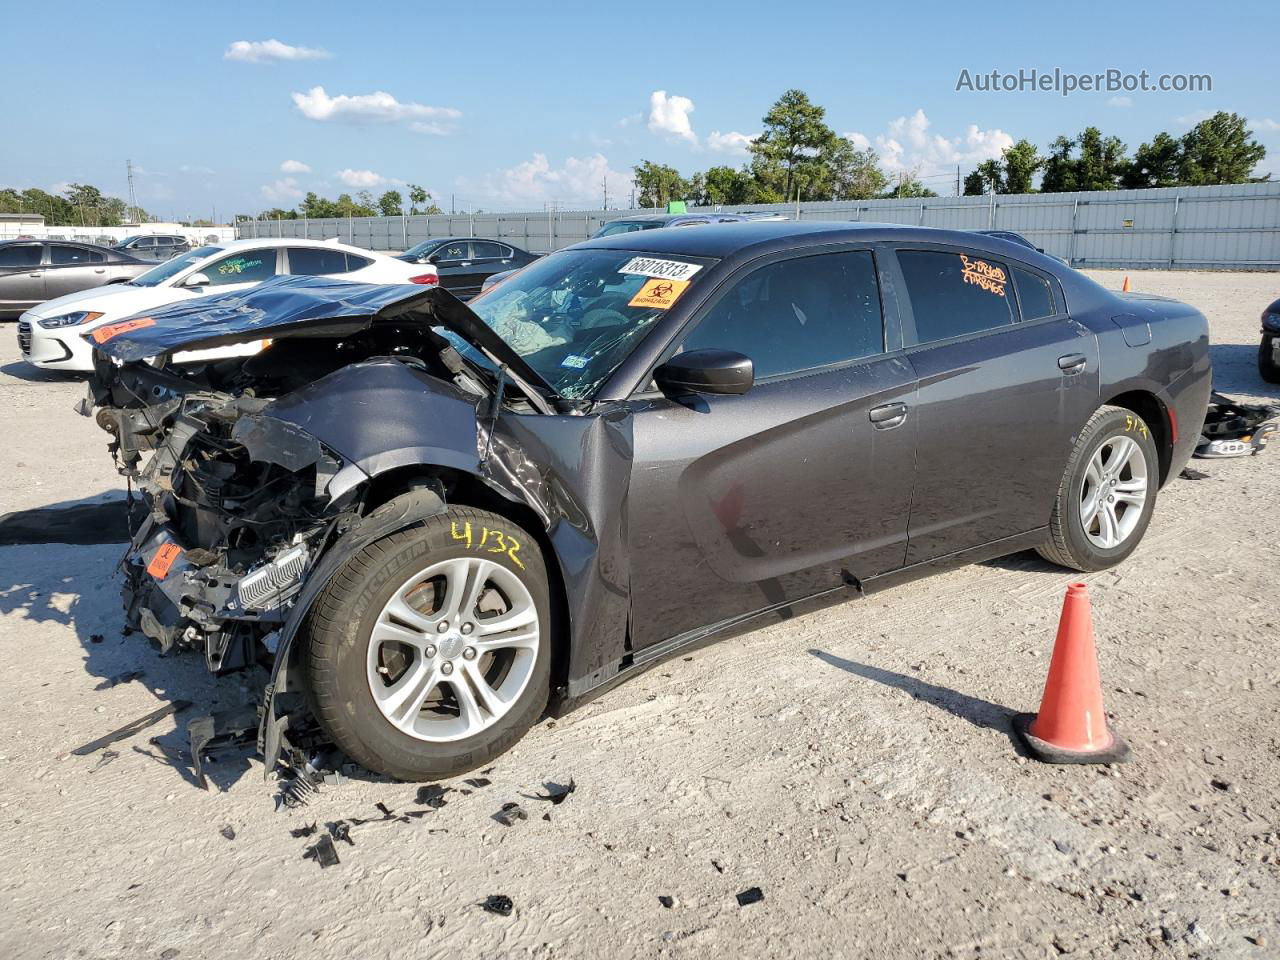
<point>489,541</point>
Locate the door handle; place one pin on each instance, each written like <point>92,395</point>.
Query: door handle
<point>1072,363</point>
<point>99,269</point>
<point>889,415</point>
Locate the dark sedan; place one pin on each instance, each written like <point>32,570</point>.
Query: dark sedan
<point>460,513</point>
<point>33,271</point>
<point>156,247</point>
<point>464,263</point>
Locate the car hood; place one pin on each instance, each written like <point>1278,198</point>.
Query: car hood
<point>116,299</point>
<point>298,307</point>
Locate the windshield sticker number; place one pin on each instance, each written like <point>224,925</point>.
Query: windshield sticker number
<point>575,362</point>
<point>489,541</point>
<point>103,334</point>
<point>238,265</point>
<point>983,275</point>
<point>163,560</point>
<point>658,294</point>
<point>662,269</point>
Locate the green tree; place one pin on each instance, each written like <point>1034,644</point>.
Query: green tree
<point>798,154</point>
<point>420,202</point>
<point>1099,164</point>
<point>1155,164</point>
<point>1219,150</point>
<point>987,178</point>
<point>391,204</point>
<point>908,185</point>
<point>856,174</point>
<point>725,185</point>
<point>659,184</point>
<point>1059,168</point>
<point>1021,162</point>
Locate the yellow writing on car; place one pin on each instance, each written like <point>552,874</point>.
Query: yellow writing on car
<point>494,540</point>
<point>984,275</point>
<point>1132,423</point>
<point>238,265</point>
<point>658,294</point>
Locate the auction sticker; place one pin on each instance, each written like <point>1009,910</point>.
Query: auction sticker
<point>664,269</point>
<point>658,294</point>
<point>163,560</point>
<point>103,334</point>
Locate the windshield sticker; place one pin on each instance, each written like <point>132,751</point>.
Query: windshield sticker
<point>985,275</point>
<point>658,294</point>
<point>163,560</point>
<point>664,269</point>
<point>103,334</point>
<point>575,362</point>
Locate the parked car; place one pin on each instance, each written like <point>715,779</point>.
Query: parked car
<point>1269,348</point>
<point>52,335</point>
<point>464,263</point>
<point>655,221</point>
<point>433,518</point>
<point>155,246</point>
<point>32,271</point>
<point>1020,240</point>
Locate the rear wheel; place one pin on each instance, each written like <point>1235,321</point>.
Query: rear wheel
<point>429,653</point>
<point>1107,494</point>
<point>1267,365</point>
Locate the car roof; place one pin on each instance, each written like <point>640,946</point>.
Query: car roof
<point>246,242</point>
<point>756,237</point>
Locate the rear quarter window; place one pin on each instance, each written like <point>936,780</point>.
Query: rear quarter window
<point>954,294</point>
<point>1035,295</point>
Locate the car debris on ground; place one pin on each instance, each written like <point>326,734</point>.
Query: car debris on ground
<point>131,728</point>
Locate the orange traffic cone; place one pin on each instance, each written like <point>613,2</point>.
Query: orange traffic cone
<point>1071,726</point>
<point>1125,288</point>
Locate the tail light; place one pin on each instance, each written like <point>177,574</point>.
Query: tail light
<point>426,279</point>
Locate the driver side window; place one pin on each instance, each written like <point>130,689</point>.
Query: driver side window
<point>796,315</point>
<point>252,266</point>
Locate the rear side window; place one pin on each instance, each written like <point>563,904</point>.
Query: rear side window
<point>311,262</point>
<point>487,250</point>
<point>1035,295</point>
<point>251,267</point>
<point>26,256</point>
<point>63,256</point>
<point>953,294</point>
<point>357,263</point>
<point>795,315</point>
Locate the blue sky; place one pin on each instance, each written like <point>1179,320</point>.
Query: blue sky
<point>522,104</point>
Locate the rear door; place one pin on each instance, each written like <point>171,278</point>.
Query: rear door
<point>72,268</point>
<point>1006,380</point>
<point>21,277</point>
<point>743,503</point>
<point>487,258</point>
<point>453,264</point>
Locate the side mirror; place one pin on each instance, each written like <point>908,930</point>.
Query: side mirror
<point>196,280</point>
<point>426,259</point>
<point>706,371</point>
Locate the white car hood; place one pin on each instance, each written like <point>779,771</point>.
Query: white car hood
<point>112,301</point>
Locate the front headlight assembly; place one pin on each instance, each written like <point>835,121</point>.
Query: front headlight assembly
<point>73,319</point>
<point>1271,322</point>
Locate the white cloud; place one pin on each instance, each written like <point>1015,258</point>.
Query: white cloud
<point>376,107</point>
<point>284,190</point>
<point>61,187</point>
<point>1265,124</point>
<point>294,166</point>
<point>731,142</point>
<point>1196,116</point>
<point>1120,102</point>
<point>579,181</point>
<point>908,144</point>
<point>365,179</point>
<point>670,116</point>
<point>271,51</point>
<point>188,168</point>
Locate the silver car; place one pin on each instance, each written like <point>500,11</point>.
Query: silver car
<point>33,271</point>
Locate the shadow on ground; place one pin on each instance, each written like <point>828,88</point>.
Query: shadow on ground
<point>1235,370</point>
<point>21,370</point>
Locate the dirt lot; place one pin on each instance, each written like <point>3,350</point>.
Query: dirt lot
<point>856,765</point>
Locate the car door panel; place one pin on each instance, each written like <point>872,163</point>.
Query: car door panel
<point>998,412</point>
<point>22,283</point>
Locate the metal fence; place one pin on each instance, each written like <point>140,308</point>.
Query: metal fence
<point>1234,227</point>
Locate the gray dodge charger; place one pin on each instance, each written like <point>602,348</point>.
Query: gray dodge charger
<point>431,522</point>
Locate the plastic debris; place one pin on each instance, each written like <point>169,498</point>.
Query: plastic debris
<point>303,831</point>
<point>341,830</point>
<point>228,831</point>
<point>499,904</point>
<point>749,896</point>
<point>323,852</point>
<point>557,793</point>
<point>478,782</point>
<point>510,813</point>
<point>666,901</point>
<point>432,795</point>
<point>1190,473</point>
<point>129,729</point>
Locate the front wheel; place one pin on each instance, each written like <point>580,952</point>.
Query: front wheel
<point>1267,366</point>
<point>1107,494</point>
<point>429,652</point>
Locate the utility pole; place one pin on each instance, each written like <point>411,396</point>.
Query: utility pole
<point>604,186</point>
<point>133,200</point>
<point>957,179</point>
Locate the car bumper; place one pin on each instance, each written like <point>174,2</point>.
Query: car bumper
<point>49,349</point>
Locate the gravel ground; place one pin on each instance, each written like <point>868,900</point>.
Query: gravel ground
<point>855,765</point>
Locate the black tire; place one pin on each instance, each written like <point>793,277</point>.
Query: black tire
<point>1068,545</point>
<point>338,632</point>
<point>1267,365</point>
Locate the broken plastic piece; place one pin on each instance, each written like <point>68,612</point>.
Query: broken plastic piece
<point>129,729</point>
<point>323,852</point>
<point>303,831</point>
<point>341,830</point>
<point>749,896</point>
<point>510,813</point>
<point>228,831</point>
<point>557,793</point>
<point>666,901</point>
<point>1190,473</point>
<point>499,904</point>
<point>433,795</point>
<point>478,782</point>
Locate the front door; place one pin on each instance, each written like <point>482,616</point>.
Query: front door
<point>21,276</point>
<point>73,268</point>
<point>1007,379</point>
<point>742,503</point>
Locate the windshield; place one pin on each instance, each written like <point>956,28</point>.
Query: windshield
<point>128,240</point>
<point>575,316</point>
<point>158,275</point>
<point>421,250</point>
<point>626,226</point>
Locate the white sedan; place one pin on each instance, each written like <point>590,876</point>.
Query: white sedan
<point>51,334</point>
